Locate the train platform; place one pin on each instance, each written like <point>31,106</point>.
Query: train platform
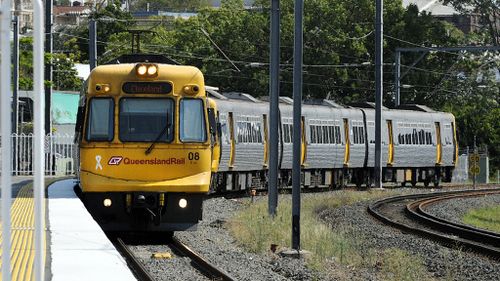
<point>76,247</point>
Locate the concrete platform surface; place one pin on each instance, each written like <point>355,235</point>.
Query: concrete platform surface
<point>79,250</point>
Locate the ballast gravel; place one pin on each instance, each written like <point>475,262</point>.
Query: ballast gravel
<point>213,241</point>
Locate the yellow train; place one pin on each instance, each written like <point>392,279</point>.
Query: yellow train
<point>154,140</point>
<point>146,133</point>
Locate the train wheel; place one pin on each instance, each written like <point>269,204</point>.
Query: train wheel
<point>359,179</point>
<point>414,178</point>
<point>369,180</point>
<point>436,180</point>
<point>426,183</point>
<point>213,183</point>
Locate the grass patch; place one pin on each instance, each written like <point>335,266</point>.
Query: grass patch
<point>487,218</point>
<point>399,265</point>
<point>340,244</point>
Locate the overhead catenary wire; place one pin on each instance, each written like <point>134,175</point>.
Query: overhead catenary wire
<point>364,66</point>
<point>200,56</point>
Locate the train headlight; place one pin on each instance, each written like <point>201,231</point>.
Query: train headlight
<point>191,89</point>
<point>183,203</point>
<point>141,69</point>
<point>152,70</point>
<point>102,88</point>
<point>146,70</point>
<point>107,202</point>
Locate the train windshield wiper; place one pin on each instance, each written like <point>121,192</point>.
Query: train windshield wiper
<point>165,129</point>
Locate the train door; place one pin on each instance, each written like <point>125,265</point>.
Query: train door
<point>214,137</point>
<point>232,152</point>
<point>455,144</point>
<point>438,144</point>
<point>347,143</point>
<point>365,162</point>
<point>390,158</point>
<point>303,144</point>
<point>265,140</point>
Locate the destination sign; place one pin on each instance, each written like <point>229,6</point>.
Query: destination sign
<point>147,88</point>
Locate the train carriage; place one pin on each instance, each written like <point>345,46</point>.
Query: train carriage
<point>154,141</point>
<point>338,144</point>
<point>146,135</point>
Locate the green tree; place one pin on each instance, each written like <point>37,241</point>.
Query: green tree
<point>170,5</point>
<point>64,74</point>
<point>111,19</point>
<point>338,56</point>
<point>475,101</point>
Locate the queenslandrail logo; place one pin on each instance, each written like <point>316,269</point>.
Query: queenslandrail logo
<point>116,160</point>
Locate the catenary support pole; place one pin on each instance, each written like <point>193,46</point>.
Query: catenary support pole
<point>48,66</point>
<point>39,137</point>
<point>397,80</point>
<point>297,132</point>
<point>378,90</point>
<point>274,78</point>
<point>5,129</point>
<point>15,81</point>
<point>92,44</point>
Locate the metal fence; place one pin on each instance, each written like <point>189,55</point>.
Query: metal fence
<point>60,154</point>
<point>461,172</point>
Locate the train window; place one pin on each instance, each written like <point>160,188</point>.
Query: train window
<point>192,121</point>
<point>313,134</point>
<point>287,133</point>
<point>331,134</point>
<point>358,135</point>
<point>337,135</point>
<point>225,133</point>
<point>319,135</point>
<point>249,131</point>
<point>259,133</point>
<point>146,119</point>
<point>325,135</point>
<point>100,121</point>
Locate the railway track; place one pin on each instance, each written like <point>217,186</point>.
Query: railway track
<point>199,263</point>
<point>288,190</point>
<point>408,213</point>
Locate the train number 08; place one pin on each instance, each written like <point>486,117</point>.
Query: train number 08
<point>193,156</point>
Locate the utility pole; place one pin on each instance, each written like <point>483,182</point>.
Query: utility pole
<point>378,91</point>
<point>5,130</point>
<point>397,78</point>
<point>297,118</point>
<point>274,82</point>
<point>39,119</point>
<point>476,163</point>
<point>15,63</point>
<point>92,44</point>
<point>48,65</point>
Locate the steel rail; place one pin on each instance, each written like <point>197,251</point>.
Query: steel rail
<point>215,272</point>
<point>462,230</point>
<point>445,239</point>
<point>139,270</point>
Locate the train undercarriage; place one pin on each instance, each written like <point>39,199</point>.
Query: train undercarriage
<point>333,178</point>
<point>145,211</point>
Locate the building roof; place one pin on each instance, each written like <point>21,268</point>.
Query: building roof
<point>435,7</point>
<point>71,10</point>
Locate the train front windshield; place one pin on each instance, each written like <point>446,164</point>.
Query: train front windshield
<point>146,120</point>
